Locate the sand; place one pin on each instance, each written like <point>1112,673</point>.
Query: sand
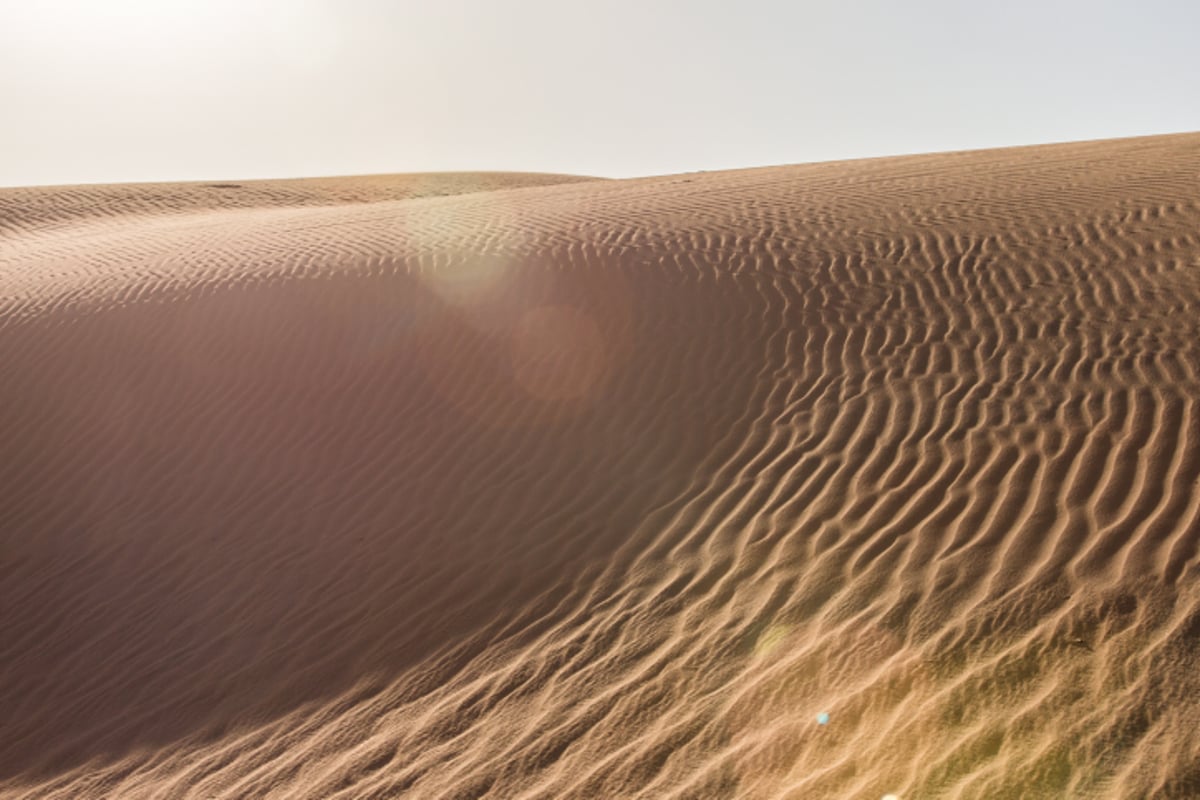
<point>521,486</point>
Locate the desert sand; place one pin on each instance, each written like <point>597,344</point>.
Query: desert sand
<point>841,480</point>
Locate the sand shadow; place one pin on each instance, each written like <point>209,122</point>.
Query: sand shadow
<point>220,509</point>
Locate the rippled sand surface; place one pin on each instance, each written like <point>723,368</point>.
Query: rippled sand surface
<point>840,480</point>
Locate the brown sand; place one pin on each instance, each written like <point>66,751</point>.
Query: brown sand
<point>338,489</point>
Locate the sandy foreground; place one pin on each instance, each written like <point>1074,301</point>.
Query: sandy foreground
<point>527,486</point>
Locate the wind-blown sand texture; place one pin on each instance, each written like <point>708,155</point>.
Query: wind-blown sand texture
<point>607,489</point>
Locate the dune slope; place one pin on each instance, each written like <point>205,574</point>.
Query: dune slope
<point>608,488</point>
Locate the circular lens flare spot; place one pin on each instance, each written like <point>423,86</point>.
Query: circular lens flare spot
<point>468,282</point>
<point>770,639</point>
<point>558,353</point>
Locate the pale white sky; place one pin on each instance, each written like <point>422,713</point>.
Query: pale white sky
<point>137,90</point>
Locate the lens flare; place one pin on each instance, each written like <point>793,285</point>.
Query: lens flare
<point>558,353</point>
<point>770,639</point>
<point>469,283</point>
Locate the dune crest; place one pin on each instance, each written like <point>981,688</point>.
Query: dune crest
<point>861,479</point>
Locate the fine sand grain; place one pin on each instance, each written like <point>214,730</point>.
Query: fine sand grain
<point>522,486</point>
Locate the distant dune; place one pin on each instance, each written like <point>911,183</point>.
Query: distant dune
<point>519,486</point>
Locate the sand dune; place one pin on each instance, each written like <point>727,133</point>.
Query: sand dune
<point>539,487</point>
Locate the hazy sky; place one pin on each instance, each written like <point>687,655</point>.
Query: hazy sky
<point>132,90</point>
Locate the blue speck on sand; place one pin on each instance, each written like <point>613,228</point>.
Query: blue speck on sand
<point>822,718</point>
